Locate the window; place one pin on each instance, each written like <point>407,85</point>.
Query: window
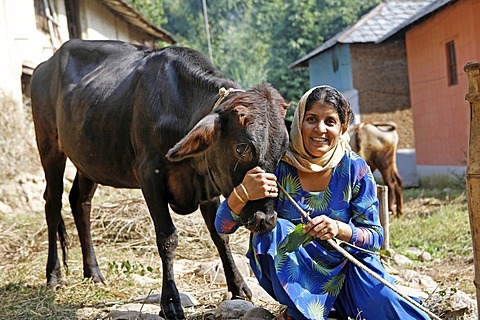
<point>452,64</point>
<point>334,60</point>
<point>41,15</point>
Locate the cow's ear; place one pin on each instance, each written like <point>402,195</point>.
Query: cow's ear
<point>241,112</point>
<point>284,108</point>
<point>198,140</point>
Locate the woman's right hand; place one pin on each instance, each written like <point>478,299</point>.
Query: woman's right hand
<point>258,184</point>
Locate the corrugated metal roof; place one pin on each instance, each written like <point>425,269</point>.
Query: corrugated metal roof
<point>126,12</point>
<point>417,17</point>
<point>371,27</point>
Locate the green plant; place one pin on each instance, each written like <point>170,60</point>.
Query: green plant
<point>438,227</point>
<point>127,267</point>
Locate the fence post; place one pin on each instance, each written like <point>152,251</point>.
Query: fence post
<point>473,167</point>
<point>383,210</point>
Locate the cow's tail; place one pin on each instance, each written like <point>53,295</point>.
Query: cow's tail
<point>64,241</point>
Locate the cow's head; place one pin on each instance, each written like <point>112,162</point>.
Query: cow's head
<point>244,131</point>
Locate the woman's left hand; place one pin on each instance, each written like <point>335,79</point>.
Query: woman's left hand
<point>322,227</point>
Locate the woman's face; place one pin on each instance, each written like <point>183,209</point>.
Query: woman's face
<point>321,129</point>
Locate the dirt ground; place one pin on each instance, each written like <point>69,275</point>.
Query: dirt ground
<point>115,211</point>
<point>454,271</point>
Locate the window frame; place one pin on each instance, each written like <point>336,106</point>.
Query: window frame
<point>451,63</point>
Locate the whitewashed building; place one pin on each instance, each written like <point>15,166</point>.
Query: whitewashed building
<point>31,31</point>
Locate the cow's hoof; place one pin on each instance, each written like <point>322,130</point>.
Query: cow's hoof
<point>95,275</point>
<point>243,293</point>
<point>172,311</point>
<point>54,280</point>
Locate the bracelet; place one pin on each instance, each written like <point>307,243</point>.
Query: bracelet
<point>238,197</point>
<point>339,234</point>
<point>245,190</point>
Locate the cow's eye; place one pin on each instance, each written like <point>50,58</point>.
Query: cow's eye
<point>241,149</point>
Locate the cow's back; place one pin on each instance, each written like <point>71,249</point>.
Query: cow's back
<point>82,97</point>
<point>366,138</point>
<point>111,105</point>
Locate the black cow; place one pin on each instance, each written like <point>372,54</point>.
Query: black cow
<point>129,117</point>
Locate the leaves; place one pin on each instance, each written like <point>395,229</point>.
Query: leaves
<point>255,41</point>
<point>296,238</point>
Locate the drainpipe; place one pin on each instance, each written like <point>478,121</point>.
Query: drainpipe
<point>473,167</point>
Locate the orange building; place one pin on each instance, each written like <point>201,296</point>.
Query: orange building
<point>440,40</point>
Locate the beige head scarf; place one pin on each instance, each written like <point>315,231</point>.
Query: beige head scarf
<point>297,155</point>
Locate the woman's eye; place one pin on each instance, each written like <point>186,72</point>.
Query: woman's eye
<point>311,119</point>
<point>240,149</point>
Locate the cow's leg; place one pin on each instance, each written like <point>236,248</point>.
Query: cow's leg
<point>167,241</point>
<point>388,180</point>
<point>235,282</point>
<point>80,198</point>
<point>53,162</point>
<point>398,192</point>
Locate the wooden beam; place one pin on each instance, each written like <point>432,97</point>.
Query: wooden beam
<point>383,211</point>
<point>473,167</point>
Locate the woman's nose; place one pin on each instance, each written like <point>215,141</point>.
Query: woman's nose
<point>321,127</point>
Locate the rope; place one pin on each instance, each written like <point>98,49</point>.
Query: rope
<point>352,259</point>
<point>223,93</point>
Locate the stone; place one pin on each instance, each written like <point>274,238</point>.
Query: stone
<point>134,311</point>
<point>450,304</point>
<point>258,293</point>
<point>88,313</point>
<point>413,251</point>
<point>258,313</point>
<point>418,280</point>
<point>186,299</point>
<point>402,260</point>
<point>425,256</point>
<point>5,208</point>
<point>143,280</point>
<point>213,270</point>
<point>233,309</point>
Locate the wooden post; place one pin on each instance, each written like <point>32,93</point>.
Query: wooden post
<point>383,210</point>
<point>473,167</point>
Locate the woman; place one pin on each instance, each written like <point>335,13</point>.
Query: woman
<point>337,189</point>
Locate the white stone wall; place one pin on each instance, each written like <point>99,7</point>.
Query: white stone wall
<point>10,62</point>
<point>31,46</point>
<point>100,24</point>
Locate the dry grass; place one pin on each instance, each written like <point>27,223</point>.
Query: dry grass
<point>125,244</point>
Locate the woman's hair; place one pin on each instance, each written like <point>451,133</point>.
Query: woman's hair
<point>330,95</point>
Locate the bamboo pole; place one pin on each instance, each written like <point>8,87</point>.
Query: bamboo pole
<point>384,212</point>
<point>473,167</point>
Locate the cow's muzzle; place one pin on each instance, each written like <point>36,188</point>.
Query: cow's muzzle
<point>261,222</point>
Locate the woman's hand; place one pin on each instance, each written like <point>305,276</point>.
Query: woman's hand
<point>323,227</point>
<point>258,184</point>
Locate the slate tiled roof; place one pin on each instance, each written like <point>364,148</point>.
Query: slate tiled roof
<point>417,17</point>
<point>371,27</point>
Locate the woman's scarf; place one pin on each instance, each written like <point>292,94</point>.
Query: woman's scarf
<point>296,154</point>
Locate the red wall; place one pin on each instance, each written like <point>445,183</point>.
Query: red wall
<point>441,114</point>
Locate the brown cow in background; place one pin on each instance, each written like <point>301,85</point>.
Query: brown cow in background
<point>377,144</point>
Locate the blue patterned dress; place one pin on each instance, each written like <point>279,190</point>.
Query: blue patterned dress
<point>314,278</point>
